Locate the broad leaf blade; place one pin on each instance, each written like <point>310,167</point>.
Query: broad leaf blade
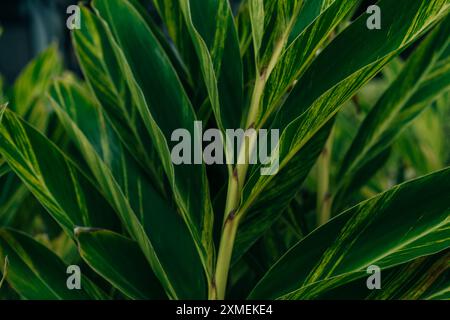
<point>412,91</point>
<point>316,99</point>
<point>37,273</point>
<point>390,229</point>
<point>55,181</point>
<point>120,261</point>
<point>301,52</point>
<point>282,189</point>
<point>214,37</point>
<point>35,79</point>
<point>172,16</point>
<point>164,107</point>
<point>169,249</point>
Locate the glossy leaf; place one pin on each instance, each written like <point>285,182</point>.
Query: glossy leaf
<point>35,272</point>
<point>280,192</point>
<point>141,56</point>
<point>314,101</point>
<point>413,90</point>
<point>265,209</point>
<point>35,79</point>
<point>55,181</point>
<point>214,36</point>
<point>120,261</point>
<point>126,186</point>
<point>100,68</point>
<point>390,229</point>
<point>303,49</point>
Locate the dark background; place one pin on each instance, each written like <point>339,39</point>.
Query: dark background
<point>29,26</point>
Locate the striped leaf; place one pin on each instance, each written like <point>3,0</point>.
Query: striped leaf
<point>272,23</point>
<point>211,27</point>
<point>280,192</point>
<point>421,278</point>
<point>120,261</point>
<point>316,99</point>
<point>422,80</point>
<point>55,181</point>
<point>27,99</point>
<point>415,280</point>
<point>170,250</point>
<point>174,56</point>
<point>323,20</point>
<point>271,203</point>
<point>100,68</point>
<point>309,12</point>
<point>35,272</point>
<point>390,229</point>
<point>96,154</point>
<point>164,107</point>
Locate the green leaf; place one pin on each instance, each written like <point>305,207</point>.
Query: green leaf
<point>257,16</point>
<point>172,16</point>
<point>311,10</point>
<point>4,169</point>
<point>55,181</point>
<point>413,90</point>
<point>443,294</point>
<point>400,225</point>
<point>273,198</point>
<point>3,97</point>
<point>414,280</point>
<point>313,93</point>
<point>316,99</point>
<point>211,26</point>
<point>29,100</point>
<point>35,79</point>
<point>418,279</point>
<point>303,49</point>
<point>272,23</point>
<point>120,261</point>
<point>37,273</point>
<point>279,193</point>
<point>174,56</point>
<point>12,195</point>
<point>107,84</point>
<point>170,250</point>
<point>164,107</point>
<point>428,132</point>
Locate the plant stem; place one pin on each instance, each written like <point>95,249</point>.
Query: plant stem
<point>225,254</point>
<point>235,187</point>
<point>256,98</point>
<point>232,214</point>
<point>232,217</point>
<point>323,183</point>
